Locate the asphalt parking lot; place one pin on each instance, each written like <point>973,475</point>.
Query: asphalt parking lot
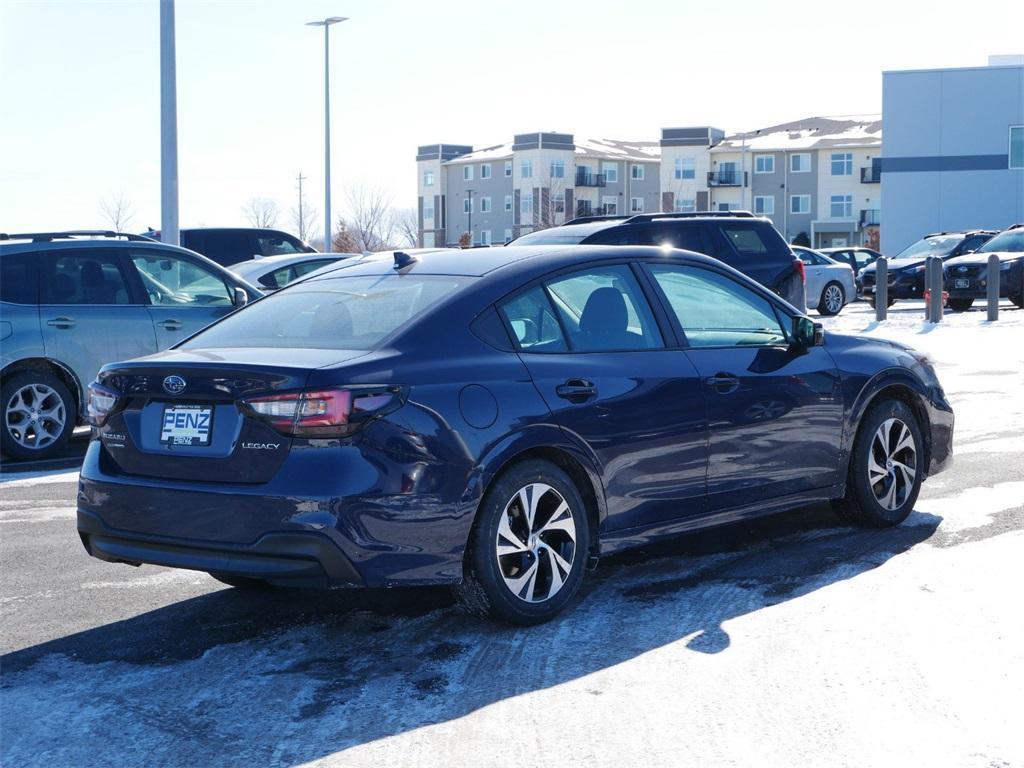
<point>790,641</point>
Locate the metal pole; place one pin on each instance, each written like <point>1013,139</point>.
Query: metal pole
<point>328,239</point>
<point>992,287</point>
<point>881,287</point>
<point>302,219</point>
<point>469,221</point>
<point>168,128</point>
<point>933,281</point>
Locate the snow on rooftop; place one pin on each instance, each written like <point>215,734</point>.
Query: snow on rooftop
<point>810,133</point>
<point>629,150</point>
<point>485,153</point>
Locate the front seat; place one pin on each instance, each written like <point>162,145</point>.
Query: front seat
<point>604,324</point>
<point>95,288</point>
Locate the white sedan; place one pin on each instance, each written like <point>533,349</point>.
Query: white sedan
<point>829,285</point>
<point>273,272</point>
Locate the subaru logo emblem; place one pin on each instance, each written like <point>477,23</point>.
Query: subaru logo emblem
<point>961,269</point>
<point>174,385</point>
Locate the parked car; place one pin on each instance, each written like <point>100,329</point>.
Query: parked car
<point>856,256</point>
<point>830,284</point>
<point>588,399</point>
<point>274,272</point>
<point>966,277</point>
<point>745,242</point>
<point>72,301</point>
<point>228,246</point>
<point>906,269</point>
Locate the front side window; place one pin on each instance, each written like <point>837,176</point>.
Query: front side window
<point>526,169</point>
<point>611,172</point>
<point>558,169</point>
<point>485,171</point>
<point>841,206</point>
<point>332,313</point>
<point>467,173</point>
<point>715,311</point>
<point>764,204</point>
<point>800,162</point>
<point>842,163</point>
<point>84,277</point>
<point>173,281</point>
<point>764,163</point>
<point>800,204</point>
<point>637,172</point>
<point>604,310</point>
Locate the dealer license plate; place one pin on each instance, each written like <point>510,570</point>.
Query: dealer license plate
<point>961,283</point>
<point>186,425</point>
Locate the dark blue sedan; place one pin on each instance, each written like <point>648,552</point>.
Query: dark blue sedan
<point>496,420</point>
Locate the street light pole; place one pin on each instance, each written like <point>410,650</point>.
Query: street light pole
<point>168,127</point>
<point>326,24</point>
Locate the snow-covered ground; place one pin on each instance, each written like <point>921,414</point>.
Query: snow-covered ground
<point>790,642</point>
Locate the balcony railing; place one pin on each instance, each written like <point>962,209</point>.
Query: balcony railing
<point>727,178</point>
<point>588,179</point>
<point>870,175</point>
<point>870,217</point>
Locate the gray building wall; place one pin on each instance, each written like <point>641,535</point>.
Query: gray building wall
<point>945,155</point>
<point>495,188</point>
<point>790,224</point>
<point>770,185</point>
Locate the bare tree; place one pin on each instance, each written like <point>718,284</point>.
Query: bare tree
<point>370,222</point>
<point>303,224</point>
<point>260,211</point>
<point>345,239</point>
<point>407,227</point>
<point>118,210</point>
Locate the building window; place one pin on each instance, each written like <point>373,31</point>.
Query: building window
<point>485,171</point>
<point>485,205</point>
<point>609,205</point>
<point>428,178</point>
<point>726,206</point>
<point>764,205</point>
<point>799,203</point>
<point>611,172</point>
<point>637,172</point>
<point>526,204</point>
<point>800,162</point>
<point>685,168</point>
<point>841,206</point>
<point>559,203</point>
<point>764,163</point>
<point>467,205</point>
<point>1017,146</point>
<point>508,202</point>
<point>508,235</point>
<point>636,205</point>
<point>428,212</point>
<point>685,205</point>
<point>467,173</point>
<point>558,169</point>
<point>428,239</point>
<point>842,164</point>
<point>526,169</point>
<point>485,237</point>
<point>508,169</point>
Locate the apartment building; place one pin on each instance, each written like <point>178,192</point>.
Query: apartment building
<point>818,177</point>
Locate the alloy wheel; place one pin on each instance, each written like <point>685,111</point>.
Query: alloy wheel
<point>35,416</point>
<point>536,543</point>
<point>892,464</point>
<point>833,299</point>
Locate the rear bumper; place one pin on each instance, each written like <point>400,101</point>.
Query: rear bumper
<point>285,559</point>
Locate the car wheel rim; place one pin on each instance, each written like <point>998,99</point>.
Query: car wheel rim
<point>833,299</point>
<point>34,416</point>
<point>892,464</point>
<point>536,543</point>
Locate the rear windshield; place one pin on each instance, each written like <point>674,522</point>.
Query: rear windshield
<point>335,313</point>
<point>1011,240</point>
<point>929,246</point>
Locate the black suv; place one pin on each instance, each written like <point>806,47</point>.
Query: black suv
<point>966,277</point>
<point>906,268</point>
<point>233,245</point>
<point>747,243</point>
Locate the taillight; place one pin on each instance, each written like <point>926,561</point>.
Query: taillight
<point>100,401</point>
<point>799,266</point>
<point>324,412</point>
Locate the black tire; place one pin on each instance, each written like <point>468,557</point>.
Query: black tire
<point>13,417</point>
<point>861,505</point>
<point>242,582</point>
<point>483,591</point>
<point>1018,300</point>
<point>822,308</point>
<point>960,305</point>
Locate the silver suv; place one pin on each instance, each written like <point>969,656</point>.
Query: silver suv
<point>70,302</point>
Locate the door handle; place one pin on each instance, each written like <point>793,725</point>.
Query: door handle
<point>576,390</point>
<point>170,325</point>
<point>61,322</point>
<point>723,382</point>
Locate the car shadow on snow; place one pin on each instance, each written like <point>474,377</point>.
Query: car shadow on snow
<point>282,678</point>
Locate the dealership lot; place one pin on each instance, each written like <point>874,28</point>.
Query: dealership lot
<point>792,641</point>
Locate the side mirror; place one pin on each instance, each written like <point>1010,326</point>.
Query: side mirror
<point>808,333</point>
<point>239,297</point>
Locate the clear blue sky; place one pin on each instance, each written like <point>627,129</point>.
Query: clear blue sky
<point>79,86</point>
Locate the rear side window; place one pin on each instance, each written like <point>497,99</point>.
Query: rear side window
<point>19,278</point>
<point>225,248</point>
<point>337,313</point>
<point>745,239</point>
<point>83,277</point>
<point>688,238</point>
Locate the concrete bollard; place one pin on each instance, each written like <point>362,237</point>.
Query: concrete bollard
<point>881,287</point>
<point>992,287</point>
